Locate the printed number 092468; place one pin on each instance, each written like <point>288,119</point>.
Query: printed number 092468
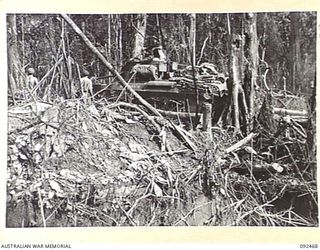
<point>308,246</point>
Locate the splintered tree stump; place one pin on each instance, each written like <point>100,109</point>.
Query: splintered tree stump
<point>207,114</point>
<point>266,119</point>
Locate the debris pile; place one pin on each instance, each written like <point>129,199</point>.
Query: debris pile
<point>99,168</point>
<point>208,79</point>
<point>74,164</point>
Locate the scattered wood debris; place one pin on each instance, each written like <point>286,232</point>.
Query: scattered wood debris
<point>75,164</point>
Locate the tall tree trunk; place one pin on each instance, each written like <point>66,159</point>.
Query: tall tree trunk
<point>22,40</point>
<point>51,37</point>
<point>295,52</point>
<point>108,49</point>
<point>312,127</point>
<point>120,42</point>
<point>237,61</point>
<point>116,41</point>
<point>186,52</point>
<point>192,48</point>
<point>193,38</point>
<point>139,36</point>
<point>251,70</point>
<point>226,111</point>
<point>14,64</point>
<point>236,76</point>
<point>66,83</point>
<point>236,71</point>
<point>160,34</point>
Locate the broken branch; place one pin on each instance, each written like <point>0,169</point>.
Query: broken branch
<point>108,65</point>
<point>241,143</point>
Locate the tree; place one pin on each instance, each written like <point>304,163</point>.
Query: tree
<point>312,127</point>
<point>236,46</point>
<point>295,52</point>
<point>139,35</point>
<point>14,64</point>
<point>236,68</point>
<point>160,33</point>
<point>192,38</point>
<point>192,48</point>
<point>251,68</point>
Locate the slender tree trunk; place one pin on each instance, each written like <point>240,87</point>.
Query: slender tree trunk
<point>236,71</point>
<point>116,42</point>
<point>186,52</point>
<point>51,38</point>
<point>295,52</point>
<point>193,38</point>
<point>312,127</point>
<point>251,71</point>
<point>14,64</point>
<point>108,49</point>
<point>192,49</point>
<point>120,42</point>
<point>236,47</point>
<point>139,36</point>
<point>66,83</point>
<point>160,34</point>
<point>236,75</point>
<point>22,40</point>
<point>226,111</point>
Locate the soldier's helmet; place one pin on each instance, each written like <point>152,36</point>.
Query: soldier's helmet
<point>30,71</point>
<point>86,72</point>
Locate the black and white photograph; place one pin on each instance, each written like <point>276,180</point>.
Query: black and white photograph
<point>161,119</point>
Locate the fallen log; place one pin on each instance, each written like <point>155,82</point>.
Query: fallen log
<point>108,65</point>
<point>136,107</point>
<point>183,115</point>
<point>184,136</point>
<point>240,143</point>
<point>300,119</point>
<point>259,169</point>
<point>174,114</point>
<point>300,116</point>
<point>291,112</point>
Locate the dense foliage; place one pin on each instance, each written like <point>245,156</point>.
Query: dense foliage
<point>39,39</point>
